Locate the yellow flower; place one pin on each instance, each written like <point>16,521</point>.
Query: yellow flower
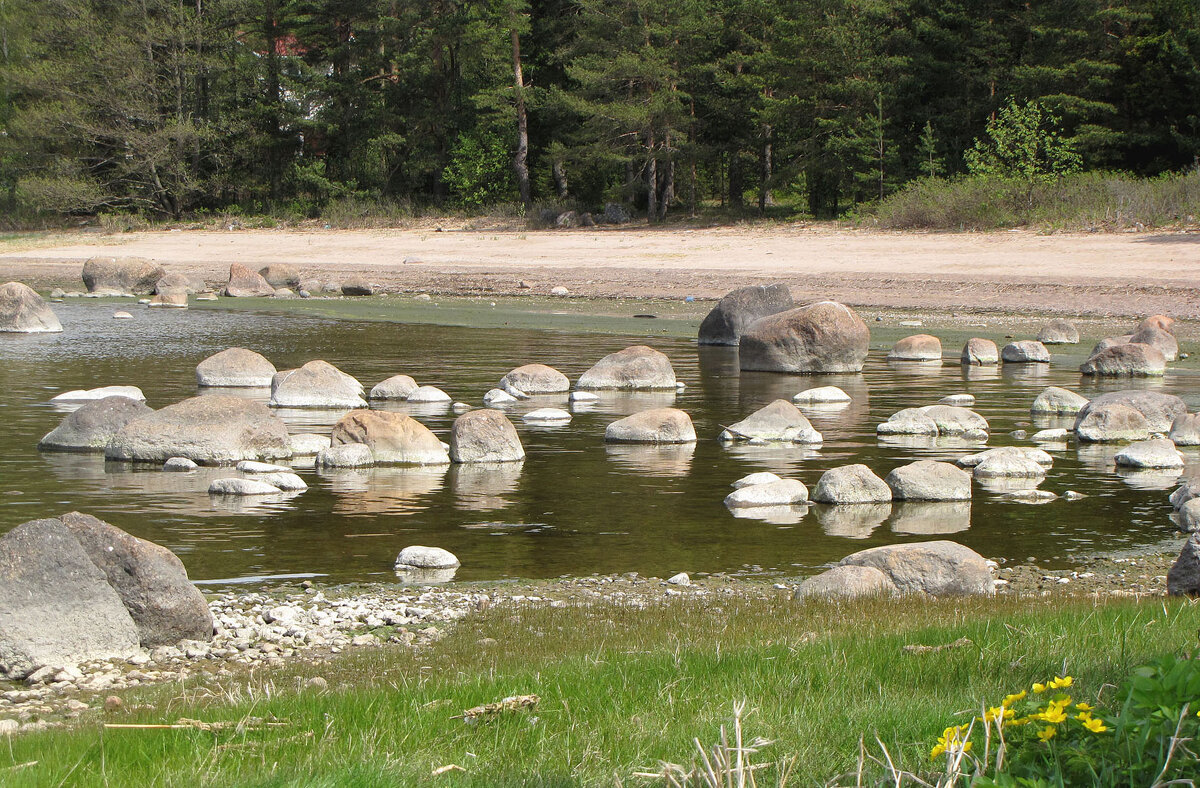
<point>938,750</point>
<point>1039,688</point>
<point>1009,700</point>
<point>1092,724</point>
<point>1047,733</point>
<point>1052,714</point>
<point>1064,681</point>
<point>1083,707</point>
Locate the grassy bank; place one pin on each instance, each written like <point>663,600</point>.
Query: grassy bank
<point>1085,201</point>
<point>621,690</point>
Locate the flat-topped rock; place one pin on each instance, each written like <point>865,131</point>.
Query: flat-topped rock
<point>244,283</point>
<point>636,367</point>
<point>825,337</point>
<point>536,379</point>
<point>822,395</point>
<point>22,311</point>
<point>102,392</point>
<point>939,568</point>
<point>851,484</point>
<point>1030,453</point>
<point>317,384</point>
<point>658,425</point>
<point>1026,351</point>
<point>121,275</point>
<point>1110,423</point>
<point>347,455</point>
<point>235,367</point>
<point>1058,401</point>
<point>958,400</point>
<point>980,352</point>
<point>927,480</point>
<point>918,347</point>
<point>393,438</point>
<point>254,466</point>
<point>547,416</point>
<point>485,436</point>
<point>1159,408</point>
<point>1059,332</point>
<point>237,486</point>
<point>1127,360</point>
<point>936,420</point>
<point>213,429</point>
<point>1008,465</point>
<point>1157,453</point>
<point>785,492</point>
<point>92,426</point>
<point>397,387</point>
<point>1052,435</point>
<point>777,421</point>
<point>728,320</point>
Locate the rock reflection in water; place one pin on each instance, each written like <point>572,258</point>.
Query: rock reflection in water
<point>777,457</point>
<point>382,490</point>
<point>626,403</point>
<point>1000,485</point>
<point>775,515</point>
<point>933,367</point>
<point>1046,421</point>
<point>1150,479</point>
<point>930,517</point>
<point>1098,456</point>
<point>262,395</point>
<point>977,372</point>
<point>309,419</point>
<point>482,486</point>
<point>253,504</point>
<point>852,521</point>
<point>660,461</point>
<point>1024,373</point>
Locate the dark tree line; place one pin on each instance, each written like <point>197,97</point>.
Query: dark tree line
<point>173,106</point>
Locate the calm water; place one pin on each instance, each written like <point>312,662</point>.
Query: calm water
<point>575,506</point>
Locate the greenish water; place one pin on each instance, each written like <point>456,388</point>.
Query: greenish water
<point>575,506</point>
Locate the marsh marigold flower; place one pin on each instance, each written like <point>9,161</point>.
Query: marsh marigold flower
<point>1061,682</point>
<point>1009,700</point>
<point>1047,733</point>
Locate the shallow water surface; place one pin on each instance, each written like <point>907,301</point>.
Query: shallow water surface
<point>575,506</point>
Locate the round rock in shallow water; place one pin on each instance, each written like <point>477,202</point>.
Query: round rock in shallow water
<point>395,387</point>
<point>846,582</point>
<point>1059,332</point>
<point>1055,435</point>
<point>1026,452</point>
<point>212,429</point>
<point>762,477</point>
<point>1128,360</point>
<point>92,426</point>
<point>778,421</point>
<point>1185,430</point>
<point>253,466</point>
<point>636,367</point>
<point>346,455</point>
<point>784,492</point>
<point>851,484</point>
<point>91,395</point>
<point>936,420</point>
<point>1110,423</point>
<point>1160,453</point>
<point>1160,409</point>
<point>308,444</point>
<point>420,557</point>
<point>927,480</point>
<point>22,311</point>
<point>919,347</point>
<point>547,416</point>
<point>236,367</point>
<point>980,352</point>
<point>485,436</point>
<point>824,337</point>
<point>429,394</point>
<point>496,397</point>
<point>1058,401</point>
<point>286,481</point>
<point>937,568</point>
<point>658,425</point>
<point>536,379</point>
<point>1008,465</point>
<point>242,487</point>
<point>179,465</point>
<point>822,395</point>
<point>393,438</point>
<point>1026,351</point>
<point>317,384</point>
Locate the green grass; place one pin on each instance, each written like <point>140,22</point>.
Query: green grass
<point>621,690</point>
<point>1085,201</point>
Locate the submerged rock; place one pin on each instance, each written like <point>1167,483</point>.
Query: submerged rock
<point>547,416</point>
<point>825,337</point>
<point>736,310</point>
<point>211,429</point>
<point>822,395</point>
<point>92,395</point>
<point>236,486</point>
<point>762,477</point>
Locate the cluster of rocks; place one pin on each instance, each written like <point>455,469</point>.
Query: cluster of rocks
<point>613,213</point>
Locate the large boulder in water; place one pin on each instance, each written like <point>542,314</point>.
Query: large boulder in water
<point>658,425</point>
<point>1160,409</point>
<point>22,311</point>
<point>636,367</point>
<point>918,347</point>
<point>1162,341</point>
<point>150,580</point>
<point>121,275</point>
<point>235,367</point>
<point>1156,453</point>
<point>485,436</point>
<point>778,421</point>
<point>92,426</point>
<point>1128,360</point>
<point>1110,423</point>
<point>535,379</point>
<point>736,310</point>
<point>244,283</point>
<point>1026,351</point>
<point>1058,401</point>
<point>394,388</point>
<point>818,338</point>
<point>928,480</point>
<point>939,568</point>
<point>317,384</point>
<point>851,484</point>
<point>394,438</point>
<point>56,606</point>
<point>1185,430</point>
<point>1059,332</point>
<point>214,429</point>
<point>936,420</point>
<point>980,352</point>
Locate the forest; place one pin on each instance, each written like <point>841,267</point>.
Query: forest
<point>174,108</point>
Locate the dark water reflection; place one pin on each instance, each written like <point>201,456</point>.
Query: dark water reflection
<point>574,506</point>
